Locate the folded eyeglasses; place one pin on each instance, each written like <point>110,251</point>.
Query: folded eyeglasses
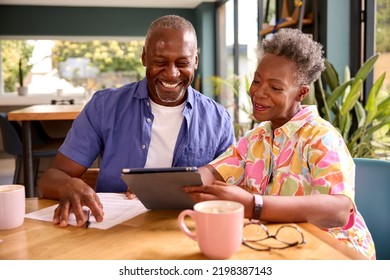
<point>256,236</point>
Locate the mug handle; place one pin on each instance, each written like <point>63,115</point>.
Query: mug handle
<point>182,224</point>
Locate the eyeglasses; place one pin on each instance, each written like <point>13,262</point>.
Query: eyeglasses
<point>257,237</point>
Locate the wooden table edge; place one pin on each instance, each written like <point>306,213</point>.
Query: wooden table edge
<point>331,241</point>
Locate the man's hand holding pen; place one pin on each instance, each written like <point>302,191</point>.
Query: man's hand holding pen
<point>74,201</point>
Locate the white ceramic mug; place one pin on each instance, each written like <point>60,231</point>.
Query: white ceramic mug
<point>12,206</point>
<point>218,227</point>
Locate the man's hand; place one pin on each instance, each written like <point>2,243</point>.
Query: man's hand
<point>74,196</point>
<point>130,194</point>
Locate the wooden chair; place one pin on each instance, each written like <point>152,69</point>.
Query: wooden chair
<point>90,177</point>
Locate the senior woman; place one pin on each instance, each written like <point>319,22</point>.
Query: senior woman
<point>294,166</point>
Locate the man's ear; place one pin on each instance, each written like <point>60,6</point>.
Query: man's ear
<point>303,92</point>
<point>196,62</point>
<point>143,56</point>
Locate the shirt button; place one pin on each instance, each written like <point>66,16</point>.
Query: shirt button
<point>148,120</point>
<point>147,103</point>
<point>143,147</point>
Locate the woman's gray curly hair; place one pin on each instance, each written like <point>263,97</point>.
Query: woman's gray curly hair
<point>298,47</point>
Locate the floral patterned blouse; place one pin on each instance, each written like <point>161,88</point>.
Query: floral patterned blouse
<point>305,156</point>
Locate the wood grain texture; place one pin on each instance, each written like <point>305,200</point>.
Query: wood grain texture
<point>46,113</point>
<point>152,235</point>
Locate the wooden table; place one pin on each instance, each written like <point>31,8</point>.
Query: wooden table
<point>154,235</point>
<point>38,113</point>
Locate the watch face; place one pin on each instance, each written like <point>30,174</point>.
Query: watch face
<point>258,200</point>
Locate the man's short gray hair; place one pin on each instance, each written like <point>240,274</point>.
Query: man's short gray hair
<point>173,22</point>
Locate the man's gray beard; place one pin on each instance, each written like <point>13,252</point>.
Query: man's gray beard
<point>170,100</point>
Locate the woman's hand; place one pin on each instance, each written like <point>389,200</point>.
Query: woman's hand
<point>222,191</point>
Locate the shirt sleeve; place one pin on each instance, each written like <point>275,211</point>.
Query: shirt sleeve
<point>231,164</point>
<point>332,168</point>
<point>83,142</point>
<point>331,164</point>
<point>227,137</point>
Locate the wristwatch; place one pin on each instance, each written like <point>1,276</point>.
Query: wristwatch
<point>258,205</point>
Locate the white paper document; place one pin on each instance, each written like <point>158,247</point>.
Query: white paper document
<point>117,209</point>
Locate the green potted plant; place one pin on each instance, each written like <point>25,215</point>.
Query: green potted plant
<point>364,127</point>
<point>22,89</point>
<point>228,90</point>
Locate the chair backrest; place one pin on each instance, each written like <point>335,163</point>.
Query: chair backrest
<point>372,183</point>
<point>90,177</point>
<point>11,136</point>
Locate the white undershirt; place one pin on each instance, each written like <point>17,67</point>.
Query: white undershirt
<point>166,126</point>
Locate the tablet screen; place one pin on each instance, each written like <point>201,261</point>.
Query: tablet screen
<point>162,189</point>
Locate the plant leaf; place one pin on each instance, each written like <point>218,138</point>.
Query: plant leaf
<point>320,96</point>
<point>330,75</point>
<point>310,98</point>
<point>337,93</point>
<point>220,84</point>
<point>366,68</point>
<point>346,126</point>
<point>377,126</point>
<point>371,106</point>
<point>347,74</point>
<point>361,115</point>
<point>247,85</point>
<point>384,108</point>
<point>352,97</point>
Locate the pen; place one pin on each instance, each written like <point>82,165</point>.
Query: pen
<point>87,222</point>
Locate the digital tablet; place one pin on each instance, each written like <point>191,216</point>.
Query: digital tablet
<point>162,188</point>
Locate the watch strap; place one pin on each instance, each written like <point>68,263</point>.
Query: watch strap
<point>258,205</point>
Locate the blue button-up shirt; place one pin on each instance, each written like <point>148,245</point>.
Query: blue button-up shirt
<point>117,124</point>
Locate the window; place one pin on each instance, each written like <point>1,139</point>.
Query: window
<point>382,41</point>
<point>69,65</point>
<point>382,46</point>
<point>237,56</point>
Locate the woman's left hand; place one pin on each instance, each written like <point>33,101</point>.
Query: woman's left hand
<point>221,191</point>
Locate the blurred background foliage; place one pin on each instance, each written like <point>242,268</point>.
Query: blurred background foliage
<point>14,51</point>
<point>383,26</point>
<point>107,56</point>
